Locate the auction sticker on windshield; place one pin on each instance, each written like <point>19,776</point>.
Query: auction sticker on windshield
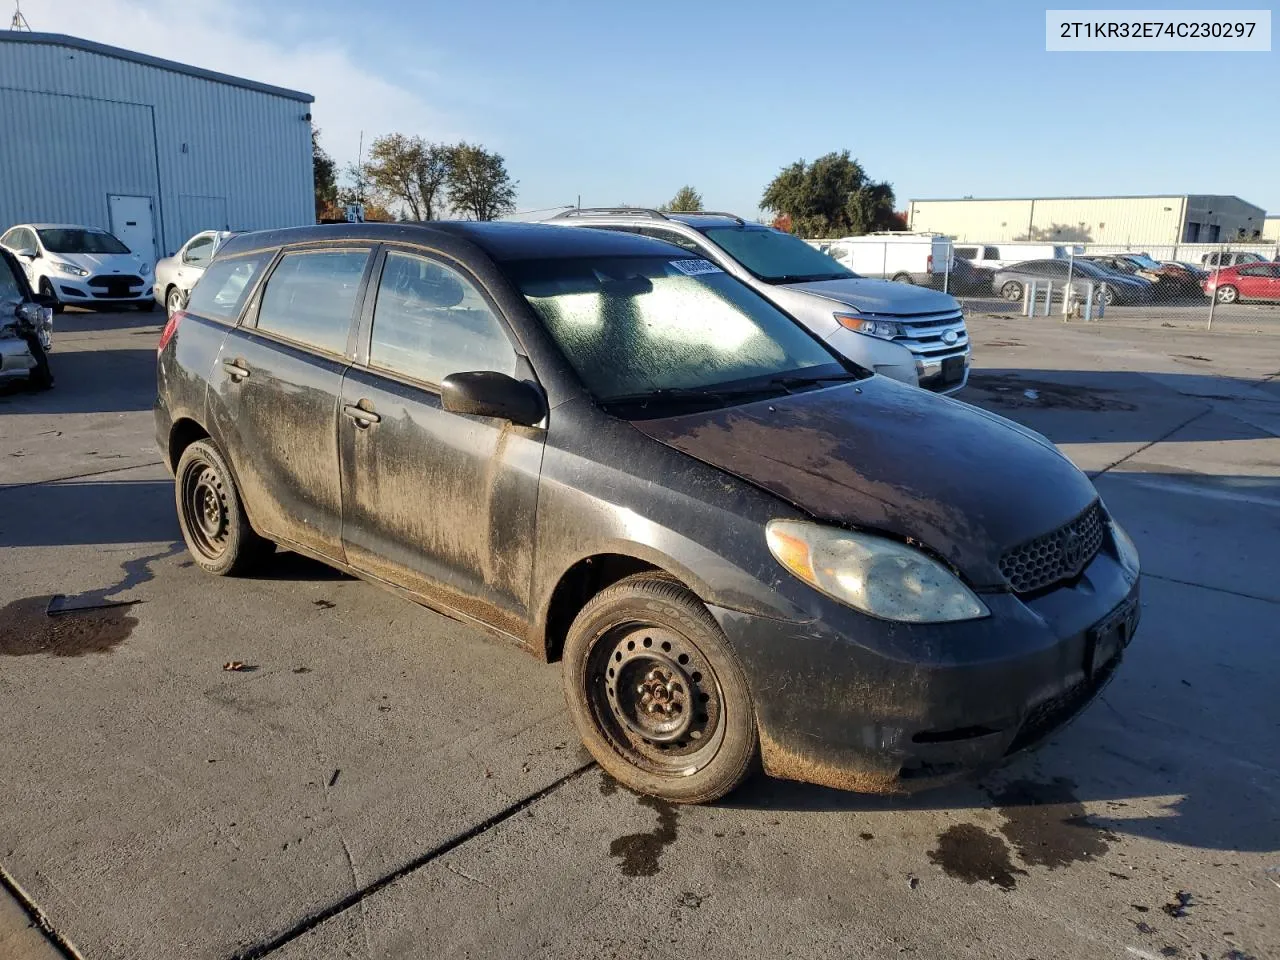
<point>695,268</point>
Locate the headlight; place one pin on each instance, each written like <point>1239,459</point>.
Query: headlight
<point>145,269</point>
<point>880,577</point>
<point>1125,548</point>
<point>69,268</point>
<point>884,329</point>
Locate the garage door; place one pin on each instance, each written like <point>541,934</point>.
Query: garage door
<point>62,157</point>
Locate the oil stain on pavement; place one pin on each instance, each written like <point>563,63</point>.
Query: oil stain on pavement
<point>641,853</point>
<point>967,852</point>
<point>1047,825</point>
<point>27,628</point>
<point>1043,822</point>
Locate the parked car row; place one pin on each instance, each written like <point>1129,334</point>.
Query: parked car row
<point>657,463</point>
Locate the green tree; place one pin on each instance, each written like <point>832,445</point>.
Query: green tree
<point>325,174</point>
<point>686,200</point>
<point>479,186</point>
<point>830,197</point>
<point>410,171</point>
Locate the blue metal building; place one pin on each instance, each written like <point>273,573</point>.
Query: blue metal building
<point>147,148</point>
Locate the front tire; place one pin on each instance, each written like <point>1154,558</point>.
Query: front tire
<point>46,291</point>
<point>904,278</point>
<point>1012,290</point>
<point>211,516</point>
<point>657,693</point>
<point>1227,294</point>
<point>1107,294</point>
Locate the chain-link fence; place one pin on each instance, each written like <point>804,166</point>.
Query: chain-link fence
<point>1184,285</point>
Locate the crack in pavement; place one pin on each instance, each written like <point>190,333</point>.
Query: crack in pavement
<point>37,916</point>
<point>1093,475</point>
<point>359,896</point>
<point>1206,586</point>
<point>79,476</point>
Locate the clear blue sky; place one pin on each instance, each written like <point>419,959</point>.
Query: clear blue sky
<point>624,102</point>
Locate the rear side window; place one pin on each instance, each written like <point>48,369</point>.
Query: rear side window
<point>310,297</point>
<point>430,321</point>
<point>1255,271</point>
<point>221,291</point>
<point>199,250</point>
<point>968,253</point>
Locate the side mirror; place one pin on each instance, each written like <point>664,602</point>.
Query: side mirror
<point>28,255</point>
<point>484,393</point>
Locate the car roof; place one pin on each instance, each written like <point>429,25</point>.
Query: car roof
<point>501,240</point>
<point>60,226</point>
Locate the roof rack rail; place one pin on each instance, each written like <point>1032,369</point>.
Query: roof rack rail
<point>714,213</point>
<point>612,211</point>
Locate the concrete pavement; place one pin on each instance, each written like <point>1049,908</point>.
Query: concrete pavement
<point>381,781</point>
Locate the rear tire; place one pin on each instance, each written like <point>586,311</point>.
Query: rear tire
<point>46,291</point>
<point>1012,290</point>
<point>904,278</point>
<point>173,301</point>
<point>657,693</point>
<point>211,516</point>
<point>1227,294</point>
<point>1107,294</point>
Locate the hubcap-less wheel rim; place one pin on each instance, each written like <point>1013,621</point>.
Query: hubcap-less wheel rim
<point>1012,291</point>
<point>1226,295</point>
<point>656,699</point>
<point>174,302</point>
<point>204,507</point>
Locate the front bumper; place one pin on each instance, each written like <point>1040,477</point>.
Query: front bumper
<point>15,356</point>
<point>78,291</point>
<point>850,702</point>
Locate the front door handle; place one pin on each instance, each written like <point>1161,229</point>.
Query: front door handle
<point>236,369</point>
<point>361,415</point>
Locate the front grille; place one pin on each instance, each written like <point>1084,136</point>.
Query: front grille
<point>1050,715</point>
<point>115,286</point>
<point>112,280</point>
<point>1055,556</point>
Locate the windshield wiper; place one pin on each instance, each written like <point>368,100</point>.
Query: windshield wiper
<point>800,380</point>
<point>806,277</point>
<point>691,394</point>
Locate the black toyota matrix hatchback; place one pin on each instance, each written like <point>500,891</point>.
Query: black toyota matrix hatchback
<point>741,547</point>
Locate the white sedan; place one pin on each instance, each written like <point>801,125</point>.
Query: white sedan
<point>83,266</point>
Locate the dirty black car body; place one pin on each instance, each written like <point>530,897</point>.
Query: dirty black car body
<point>476,454</point>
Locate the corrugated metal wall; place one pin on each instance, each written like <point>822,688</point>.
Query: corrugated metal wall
<point>78,125</point>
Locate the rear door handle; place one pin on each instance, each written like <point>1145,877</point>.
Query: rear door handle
<point>362,416</point>
<point>236,368</point>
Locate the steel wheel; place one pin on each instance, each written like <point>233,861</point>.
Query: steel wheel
<point>1011,290</point>
<point>205,510</point>
<point>655,696</point>
<point>173,301</point>
<point>1228,294</point>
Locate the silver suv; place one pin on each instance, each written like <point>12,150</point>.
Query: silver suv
<point>909,333</point>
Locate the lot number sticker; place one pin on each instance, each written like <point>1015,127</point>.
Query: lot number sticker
<point>695,268</point>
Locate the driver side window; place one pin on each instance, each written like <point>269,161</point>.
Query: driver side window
<point>430,321</point>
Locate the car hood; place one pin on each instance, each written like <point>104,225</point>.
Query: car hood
<point>878,296</point>
<point>107,263</point>
<point>886,457</point>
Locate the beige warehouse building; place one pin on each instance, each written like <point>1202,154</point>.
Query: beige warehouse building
<point>1190,218</point>
<point>1271,229</point>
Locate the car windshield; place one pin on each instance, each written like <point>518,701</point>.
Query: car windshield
<point>652,330</point>
<point>80,241</point>
<point>776,257</point>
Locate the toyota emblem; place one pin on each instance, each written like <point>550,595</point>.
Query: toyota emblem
<point>1072,550</point>
<point>950,337</point>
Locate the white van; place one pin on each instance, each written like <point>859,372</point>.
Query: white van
<point>993,256</point>
<point>919,258</point>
